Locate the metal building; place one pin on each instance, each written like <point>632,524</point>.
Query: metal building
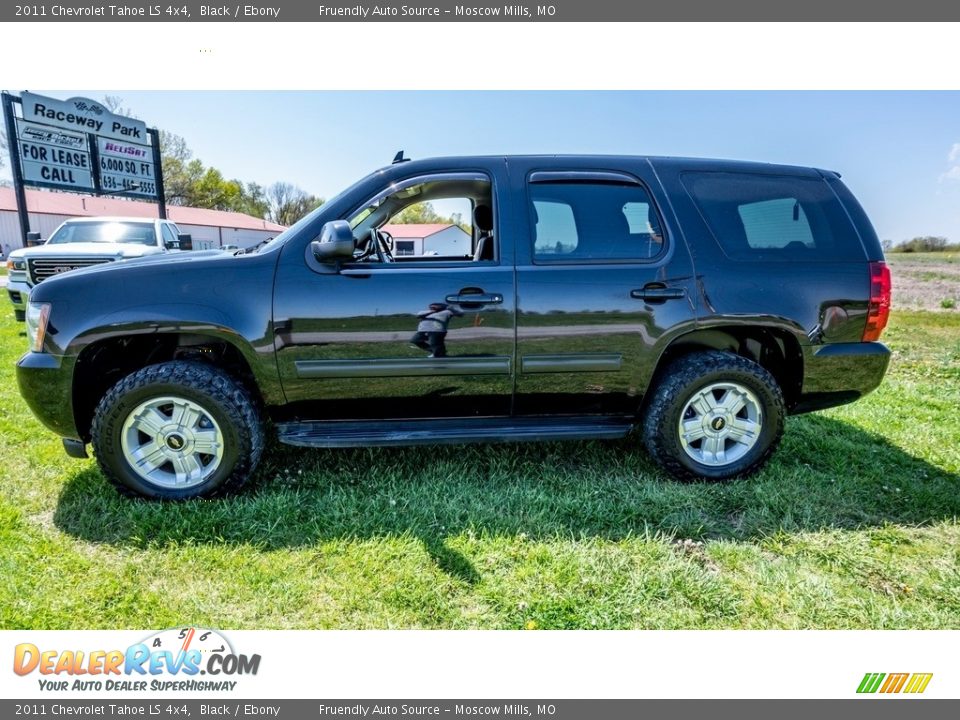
<point>209,228</point>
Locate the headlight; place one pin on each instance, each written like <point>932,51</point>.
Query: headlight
<point>37,316</point>
<point>16,264</point>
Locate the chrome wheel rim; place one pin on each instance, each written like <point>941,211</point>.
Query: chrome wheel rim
<point>172,442</point>
<point>720,424</point>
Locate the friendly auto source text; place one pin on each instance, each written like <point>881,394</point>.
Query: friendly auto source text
<point>378,11</point>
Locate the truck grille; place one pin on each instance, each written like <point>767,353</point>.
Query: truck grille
<point>42,268</point>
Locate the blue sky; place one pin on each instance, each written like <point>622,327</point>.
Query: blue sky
<point>898,151</point>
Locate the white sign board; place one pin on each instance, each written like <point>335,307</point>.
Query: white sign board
<point>82,114</point>
<point>53,157</point>
<point>127,167</point>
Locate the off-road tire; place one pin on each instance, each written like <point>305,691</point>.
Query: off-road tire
<point>225,399</point>
<point>681,381</point>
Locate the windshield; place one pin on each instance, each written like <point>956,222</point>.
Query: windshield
<point>105,232</point>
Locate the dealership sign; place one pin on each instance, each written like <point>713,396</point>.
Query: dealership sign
<point>79,145</point>
<point>127,167</point>
<point>50,156</point>
<point>82,114</point>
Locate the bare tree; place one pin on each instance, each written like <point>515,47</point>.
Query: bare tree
<point>114,103</point>
<point>288,203</point>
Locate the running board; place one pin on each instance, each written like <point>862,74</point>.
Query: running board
<point>340,433</point>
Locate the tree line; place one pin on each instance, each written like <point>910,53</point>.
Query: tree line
<point>925,243</point>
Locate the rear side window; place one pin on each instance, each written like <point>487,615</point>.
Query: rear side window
<point>773,217</point>
<point>587,221</point>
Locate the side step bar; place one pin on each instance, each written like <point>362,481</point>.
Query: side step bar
<point>340,433</point>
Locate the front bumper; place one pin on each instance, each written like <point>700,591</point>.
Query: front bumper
<point>45,382</point>
<point>839,373</point>
<point>19,292</point>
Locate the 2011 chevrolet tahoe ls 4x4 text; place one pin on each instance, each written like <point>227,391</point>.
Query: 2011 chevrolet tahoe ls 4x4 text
<point>700,301</point>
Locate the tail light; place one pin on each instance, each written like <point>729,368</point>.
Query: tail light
<point>879,310</point>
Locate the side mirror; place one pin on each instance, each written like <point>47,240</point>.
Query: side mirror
<point>185,241</point>
<point>33,239</point>
<point>336,242</point>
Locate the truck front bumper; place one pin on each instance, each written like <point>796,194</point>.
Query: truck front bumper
<point>839,373</point>
<point>46,384</point>
<point>18,291</point>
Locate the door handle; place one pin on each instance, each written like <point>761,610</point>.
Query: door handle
<point>475,298</point>
<point>656,292</point>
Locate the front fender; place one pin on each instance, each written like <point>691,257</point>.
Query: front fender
<point>204,322</point>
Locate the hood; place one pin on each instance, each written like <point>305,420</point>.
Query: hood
<point>90,249</point>
<point>153,276</point>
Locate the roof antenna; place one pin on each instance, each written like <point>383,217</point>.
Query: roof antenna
<point>399,158</point>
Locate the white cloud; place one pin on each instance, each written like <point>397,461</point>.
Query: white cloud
<point>953,158</point>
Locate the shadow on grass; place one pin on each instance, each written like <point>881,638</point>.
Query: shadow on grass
<point>827,474</point>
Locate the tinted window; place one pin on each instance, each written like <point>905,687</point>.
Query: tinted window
<point>773,217</point>
<point>593,221</point>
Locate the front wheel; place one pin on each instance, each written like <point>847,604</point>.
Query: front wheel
<point>176,431</point>
<point>714,415</point>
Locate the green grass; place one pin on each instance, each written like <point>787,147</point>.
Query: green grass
<point>852,525</point>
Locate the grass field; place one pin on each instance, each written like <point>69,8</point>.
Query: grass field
<point>853,525</point>
<point>925,281</point>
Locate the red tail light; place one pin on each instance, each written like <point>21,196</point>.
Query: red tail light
<point>879,311</point>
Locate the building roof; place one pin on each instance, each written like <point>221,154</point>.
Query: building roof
<point>57,203</point>
<point>416,230</point>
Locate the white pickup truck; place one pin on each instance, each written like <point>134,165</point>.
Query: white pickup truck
<point>81,242</point>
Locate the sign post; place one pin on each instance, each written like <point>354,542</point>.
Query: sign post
<point>12,145</point>
<point>78,145</point>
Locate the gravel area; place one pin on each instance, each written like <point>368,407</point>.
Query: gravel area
<point>925,281</point>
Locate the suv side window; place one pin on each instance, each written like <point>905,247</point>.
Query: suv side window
<point>442,218</point>
<point>593,221</point>
<point>758,217</point>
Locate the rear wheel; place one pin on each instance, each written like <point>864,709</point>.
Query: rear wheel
<point>714,415</point>
<point>177,430</point>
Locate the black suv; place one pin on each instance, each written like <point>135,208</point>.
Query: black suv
<point>569,297</point>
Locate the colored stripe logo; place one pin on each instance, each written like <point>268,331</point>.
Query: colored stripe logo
<point>913,683</point>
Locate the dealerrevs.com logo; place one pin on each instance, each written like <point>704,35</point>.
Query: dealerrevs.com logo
<point>170,660</point>
<point>892,683</point>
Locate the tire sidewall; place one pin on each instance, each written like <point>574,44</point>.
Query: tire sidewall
<point>113,456</point>
<point>772,421</point>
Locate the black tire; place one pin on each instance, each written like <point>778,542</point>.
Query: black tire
<point>685,378</point>
<point>20,315</point>
<point>221,397</point>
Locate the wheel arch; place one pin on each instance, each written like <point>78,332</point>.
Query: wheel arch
<point>105,361</point>
<point>774,348</point>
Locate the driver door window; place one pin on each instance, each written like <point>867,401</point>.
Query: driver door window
<point>432,219</point>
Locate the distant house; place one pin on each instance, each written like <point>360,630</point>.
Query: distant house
<point>209,228</point>
<point>430,239</point>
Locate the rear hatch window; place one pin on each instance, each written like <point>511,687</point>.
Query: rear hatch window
<point>757,217</point>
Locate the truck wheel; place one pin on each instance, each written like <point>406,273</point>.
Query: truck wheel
<point>176,431</point>
<point>714,415</point>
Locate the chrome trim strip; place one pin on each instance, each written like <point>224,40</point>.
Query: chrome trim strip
<point>403,367</point>
<point>582,362</point>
